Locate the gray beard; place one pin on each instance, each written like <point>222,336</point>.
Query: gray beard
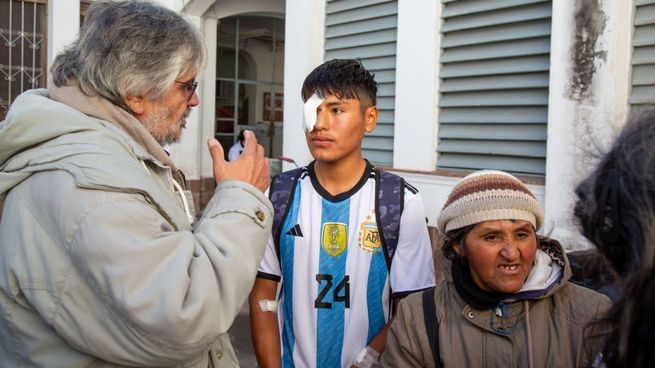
<point>156,124</point>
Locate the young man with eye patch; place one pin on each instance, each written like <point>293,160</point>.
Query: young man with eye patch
<point>339,283</point>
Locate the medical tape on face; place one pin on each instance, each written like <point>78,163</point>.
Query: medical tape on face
<point>268,305</point>
<point>310,112</point>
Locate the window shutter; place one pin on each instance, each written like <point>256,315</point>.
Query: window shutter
<point>366,30</point>
<point>643,56</point>
<point>494,85</point>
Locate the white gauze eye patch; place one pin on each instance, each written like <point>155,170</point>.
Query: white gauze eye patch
<point>310,112</point>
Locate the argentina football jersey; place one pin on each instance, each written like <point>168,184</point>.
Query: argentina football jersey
<point>337,287</point>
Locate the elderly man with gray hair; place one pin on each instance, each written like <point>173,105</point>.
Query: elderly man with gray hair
<point>102,260</point>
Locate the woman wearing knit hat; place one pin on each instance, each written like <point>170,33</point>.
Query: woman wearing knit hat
<point>506,300</point>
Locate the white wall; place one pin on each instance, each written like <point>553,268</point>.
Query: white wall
<point>228,8</point>
<point>188,153</point>
<point>417,69</point>
<point>587,101</point>
<point>63,26</point>
<point>225,8</point>
<point>303,47</point>
<point>208,90</point>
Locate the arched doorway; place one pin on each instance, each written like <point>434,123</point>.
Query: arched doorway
<point>249,80</point>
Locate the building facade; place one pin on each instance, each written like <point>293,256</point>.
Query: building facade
<point>536,88</point>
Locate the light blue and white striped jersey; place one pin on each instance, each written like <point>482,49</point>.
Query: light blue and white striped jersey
<point>337,288</point>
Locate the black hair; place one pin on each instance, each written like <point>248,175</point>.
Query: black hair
<point>616,211</point>
<point>344,78</point>
<point>242,137</point>
<point>454,237</point>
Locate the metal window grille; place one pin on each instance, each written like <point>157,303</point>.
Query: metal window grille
<point>23,53</point>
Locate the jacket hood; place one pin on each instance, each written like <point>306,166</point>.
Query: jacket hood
<point>31,136</point>
<point>550,271</point>
<point>41,134</point>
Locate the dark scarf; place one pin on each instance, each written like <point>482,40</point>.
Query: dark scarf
<point>469,291</point>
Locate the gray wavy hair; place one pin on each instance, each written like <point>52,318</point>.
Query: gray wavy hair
<point>130,48</point>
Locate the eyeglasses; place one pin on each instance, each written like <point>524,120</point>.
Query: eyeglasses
<point>189,89</point>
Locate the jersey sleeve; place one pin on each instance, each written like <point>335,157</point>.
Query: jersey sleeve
<point>412,268</point>
<point>269,267</point>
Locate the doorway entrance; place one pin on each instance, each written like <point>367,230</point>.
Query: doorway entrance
<point>249,81</point>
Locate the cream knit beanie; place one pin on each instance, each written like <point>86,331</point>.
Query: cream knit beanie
<point>489,195</point>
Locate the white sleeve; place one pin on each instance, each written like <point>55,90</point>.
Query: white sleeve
<point>412,268</point>
<point>269,267</point>
<point>234,152</point>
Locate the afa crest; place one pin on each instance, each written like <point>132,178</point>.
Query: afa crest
<point>369,236</point>
<point>335,238</point>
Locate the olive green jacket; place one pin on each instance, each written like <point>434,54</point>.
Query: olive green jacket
<point>545,331</point>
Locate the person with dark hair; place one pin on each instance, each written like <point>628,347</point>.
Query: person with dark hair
<point>348,239</point>
<point>102,259</point>
<point>506,300</point>
<point>616,212</point>
<point>235,151</point>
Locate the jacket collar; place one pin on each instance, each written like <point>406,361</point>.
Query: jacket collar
<point>98,153</point>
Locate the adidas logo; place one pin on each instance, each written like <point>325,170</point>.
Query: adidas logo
<point>295,231</point>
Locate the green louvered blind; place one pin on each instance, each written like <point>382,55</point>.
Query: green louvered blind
<point>643,56</point>
<point>493,105</point>
<point>366,30</point>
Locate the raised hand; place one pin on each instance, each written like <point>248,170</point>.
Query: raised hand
<point>251,167</point>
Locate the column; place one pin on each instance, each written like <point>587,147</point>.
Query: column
<point>63,26</point>
<point>589,82</point>
<point>187,153</point>
<point>417,88</point>
<point>303,49</point>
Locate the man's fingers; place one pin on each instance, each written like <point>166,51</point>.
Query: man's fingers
<point>251,167</point>
<point>250,142</point>
<point>267,169</point>
<point>215,150</point>
<point>264,178</point>
<point>260,150</point>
